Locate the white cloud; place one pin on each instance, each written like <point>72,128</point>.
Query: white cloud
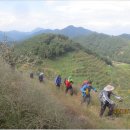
<point>96,15</point>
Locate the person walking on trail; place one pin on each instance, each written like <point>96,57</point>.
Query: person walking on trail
<point>41,76</point>
<point>58,81</point>
<point>85,89</point>
<point>68,84</point>
<point>105,100</point>
<point>31,75</point>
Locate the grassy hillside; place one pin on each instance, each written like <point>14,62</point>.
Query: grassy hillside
<point>101,74</point>
<point>72,61</point>
<point>80,65</point>
<point>112,47</point>
<point>27,104</point>
<point>47,46</point>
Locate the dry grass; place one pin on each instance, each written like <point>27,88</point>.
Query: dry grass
<point>25,103</point>
<point>89,115</point>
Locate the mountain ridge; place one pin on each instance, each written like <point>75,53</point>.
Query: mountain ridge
<point>70,31</point>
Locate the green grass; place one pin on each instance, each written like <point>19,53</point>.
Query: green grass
<point>24,103</point>
<point>27,104</point>
<point>80,65</point>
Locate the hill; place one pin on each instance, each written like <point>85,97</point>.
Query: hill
<point>35,105</point>
<point>72,31</point>
<point>126,36</point>
<point>56,53</point>
<point>106,46</point>
<point>112,47</point>
<point>46,46</point>
<point>27,104</point>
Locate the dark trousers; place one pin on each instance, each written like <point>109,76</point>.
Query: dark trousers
<point>58,85</point>
<point>71,90</point>
<point>87,99</point>
<point>31,75</point>
<point>103,108</point>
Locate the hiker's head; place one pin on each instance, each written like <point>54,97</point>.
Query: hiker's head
<point>85,82</point>
<point>89,83</point>
<point>109,88</point>
<point>70,79</point>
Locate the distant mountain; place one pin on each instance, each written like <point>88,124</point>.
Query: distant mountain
<point>70,31</point>
<point>2,37</point>
<point>126,36</point>
<point>18,36</point>
<point>113,47</point>
<point>37,30</point>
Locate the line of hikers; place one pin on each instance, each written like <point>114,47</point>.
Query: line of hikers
<point>40,76</point>
<point>86,87</point>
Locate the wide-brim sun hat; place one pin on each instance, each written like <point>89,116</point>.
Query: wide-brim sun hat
<point>41,73</point>
<point>109,88</point>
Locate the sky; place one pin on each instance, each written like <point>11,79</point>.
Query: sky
<point>110,17</point>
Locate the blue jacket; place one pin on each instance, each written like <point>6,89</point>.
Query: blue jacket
<point>58,80</point>
<point>84,87</point>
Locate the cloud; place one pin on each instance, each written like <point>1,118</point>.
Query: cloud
<point>103,16</point>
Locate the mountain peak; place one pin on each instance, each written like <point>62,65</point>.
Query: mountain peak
<point>71,26</point>
<point>37,29</point>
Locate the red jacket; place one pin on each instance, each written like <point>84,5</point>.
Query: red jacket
<point>68,84</point>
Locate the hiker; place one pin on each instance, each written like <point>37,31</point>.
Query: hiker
<point>84,82</point>
<point>31,75</point>
<point>68,84</point>
<point>41,76</point>
<point>85,89</point>
<point>58,81</point>
<point>105,100</point>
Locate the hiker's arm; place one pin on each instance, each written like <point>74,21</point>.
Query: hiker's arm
<point>117,97</point>
<point>94,89</point>
<point>107,98</point>
<point>83,89</point>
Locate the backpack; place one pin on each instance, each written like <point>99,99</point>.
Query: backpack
<point>58,80</point>
<point>87,91</point>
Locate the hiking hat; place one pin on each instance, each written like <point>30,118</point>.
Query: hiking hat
<point>85,81</point>
<point>109,88</point>
<point>70,78</point>
<point>41,73</point>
